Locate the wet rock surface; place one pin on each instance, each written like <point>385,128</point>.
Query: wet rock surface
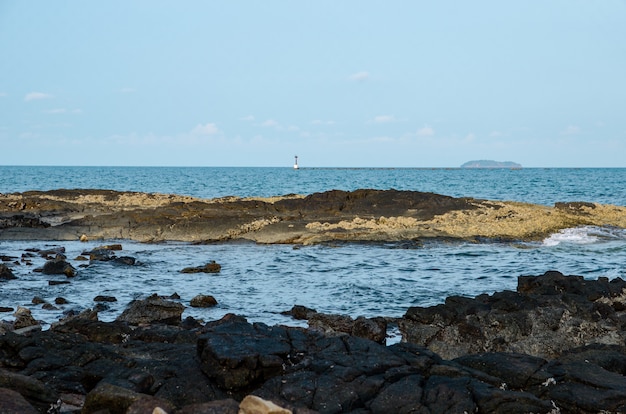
<point>360,215</point>
<point>138,365</point>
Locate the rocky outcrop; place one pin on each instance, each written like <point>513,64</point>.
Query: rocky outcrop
<point>361,215</point>
<point>545,317</point>
<point>231,365</point>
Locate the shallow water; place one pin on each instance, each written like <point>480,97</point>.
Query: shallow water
<point>260,281</point>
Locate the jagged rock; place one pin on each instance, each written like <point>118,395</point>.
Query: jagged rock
<point>153,309</point>
<point>24,318</point>
<point>548,315</point>
<point>374,329</point>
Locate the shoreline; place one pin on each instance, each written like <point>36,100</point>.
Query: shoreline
<point>360,215</point>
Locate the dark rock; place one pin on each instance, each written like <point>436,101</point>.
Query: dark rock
<point>37,300</point>
<point>34,391</point>
<point>6,273</point>
<point>12,402</point>
<point>374,329</point>
<point>6,309</point>
<point>227,406</point>
<point>152,310</point>
<point>59,266</point>
<point>548,315</point>
<point>60,301</point>
<point>114,399</point>
<point>125,260</point>
<point>238,355</point>
<point>203,301</point>
<point>50,252</point>
<point>100,255</point>
<point>24,319</point>
<point>101,298</point>
<point>210,267</point>
<point>58,282</point>
<point>300,312</point>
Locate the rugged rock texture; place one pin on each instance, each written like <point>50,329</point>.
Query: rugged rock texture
<point>547,315</point>
<point>372,215</point>
<point>84,365</point>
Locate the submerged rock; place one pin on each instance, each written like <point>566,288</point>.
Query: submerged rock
<point>210,267</point>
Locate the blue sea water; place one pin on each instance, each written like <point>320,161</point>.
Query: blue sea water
<point>261,281</point>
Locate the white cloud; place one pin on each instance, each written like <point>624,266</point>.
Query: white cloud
<point>426,131</point>
<point>2,94</point>
<point>248,118</point>
<point>56,111</point>
<point>320,122</point>
<point>571,130</point>
<point>206,129</point>
<point>359,76</point>
<point>270,123</point>
<point>35,96</point>
<point>470,137</point>
<point>383,119</point>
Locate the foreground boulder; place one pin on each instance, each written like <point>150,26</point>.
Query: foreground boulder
<point>548,315</point>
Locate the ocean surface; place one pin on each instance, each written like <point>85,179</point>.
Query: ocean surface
<point>261,281</point>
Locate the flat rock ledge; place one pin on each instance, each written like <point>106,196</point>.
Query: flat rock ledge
<point>229,366</point>
<point>360,215</point>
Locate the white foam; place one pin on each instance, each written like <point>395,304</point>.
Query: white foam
<point>577,235</point>
<point>584,235</point>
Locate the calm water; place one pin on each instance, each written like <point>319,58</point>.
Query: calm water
<point>355,279</point>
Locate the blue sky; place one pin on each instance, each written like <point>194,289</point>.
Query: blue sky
<point>339,83</point>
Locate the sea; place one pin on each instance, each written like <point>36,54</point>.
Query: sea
<point>261,282</point>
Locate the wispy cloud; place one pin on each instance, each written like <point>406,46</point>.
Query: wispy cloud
<point>56,111</point>
<point>383,119</point>
<point>571,130</point>
<point>206,129</point>
<point>359,76</point>
<point>248,118</point>
<point>321,122</point>
<point>35,96</point>
<point>270,123</point>
<point>425,131</point>
<point>2,94</point>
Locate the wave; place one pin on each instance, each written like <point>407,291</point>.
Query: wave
<point>585,235</point>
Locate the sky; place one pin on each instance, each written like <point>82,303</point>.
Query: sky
<point>415,83</point>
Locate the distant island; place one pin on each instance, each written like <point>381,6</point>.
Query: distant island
<point>491,164</point>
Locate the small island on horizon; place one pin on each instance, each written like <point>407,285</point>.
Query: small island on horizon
<point>491,164</point>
